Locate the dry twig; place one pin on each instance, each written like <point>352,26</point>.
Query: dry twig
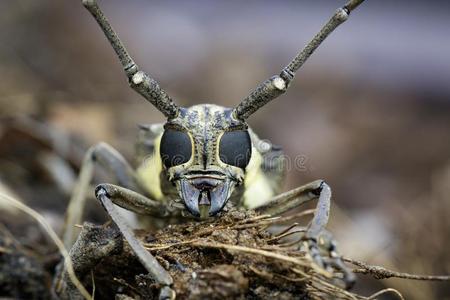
<point>48,229</point>
<point>383,273</point>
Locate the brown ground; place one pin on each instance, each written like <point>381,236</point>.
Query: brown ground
<point>232,257</point>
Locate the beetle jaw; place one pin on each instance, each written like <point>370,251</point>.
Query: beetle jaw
<point>205,195</point>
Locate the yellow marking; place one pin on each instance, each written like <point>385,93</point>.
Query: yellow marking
<point>257,187</point>
<point>149,171</point>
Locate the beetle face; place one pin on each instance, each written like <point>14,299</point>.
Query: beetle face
<point>205,152</point>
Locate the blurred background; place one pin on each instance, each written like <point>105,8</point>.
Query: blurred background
<point>369,112</point>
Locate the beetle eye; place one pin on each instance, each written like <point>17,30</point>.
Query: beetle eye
<point>235,148</point>
<point>176,147</point>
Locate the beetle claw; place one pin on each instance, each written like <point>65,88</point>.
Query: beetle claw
<point>329,259</point>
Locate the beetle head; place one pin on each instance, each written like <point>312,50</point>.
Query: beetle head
<point>205,151</point>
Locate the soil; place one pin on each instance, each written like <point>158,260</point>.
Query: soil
<point>223,258</point>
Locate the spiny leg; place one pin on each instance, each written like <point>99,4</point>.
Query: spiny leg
<point>315,235</point>
<point>106,194</point>
<point>139,80</point>
<point>106,157</point>
<point>277,85</point>
<point>298,196</point>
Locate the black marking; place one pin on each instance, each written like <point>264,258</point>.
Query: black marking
<point>347,10</point>
<point>183,111</point>
<point>317,191</point>
<point>218,124</point>
<point>287,75</point>
<point>192,119</point>
<point>205,138</point>
<point>233,122</point>
<point>204,159</point>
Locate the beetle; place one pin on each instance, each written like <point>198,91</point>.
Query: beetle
<point>204,160</point>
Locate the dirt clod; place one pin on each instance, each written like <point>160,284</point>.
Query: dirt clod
<point>231,257</point>
<point>22,276</point>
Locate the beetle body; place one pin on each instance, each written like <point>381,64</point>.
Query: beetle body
<point>202,161</point>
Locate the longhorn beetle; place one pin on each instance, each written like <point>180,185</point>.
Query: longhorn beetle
<point>203,160</point>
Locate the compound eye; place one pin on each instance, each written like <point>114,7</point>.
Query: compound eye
<point>235,148</point>
<point>175,148</point>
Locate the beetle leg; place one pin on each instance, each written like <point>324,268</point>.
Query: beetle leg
<point>106,194</point>
<point>132,201</point>
<point>292,199</point>
<point>296,197</point>
<point>315,232</point>
<point>106,157</point>
<point>327,243</point>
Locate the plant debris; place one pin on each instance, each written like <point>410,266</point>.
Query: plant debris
<point>231,257</point>
<point>235,256</point>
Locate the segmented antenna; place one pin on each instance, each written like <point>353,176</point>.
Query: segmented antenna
<point>139,80</point>
<point>277,85</point>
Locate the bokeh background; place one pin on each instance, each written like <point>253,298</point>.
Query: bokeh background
<point>369,112</point>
